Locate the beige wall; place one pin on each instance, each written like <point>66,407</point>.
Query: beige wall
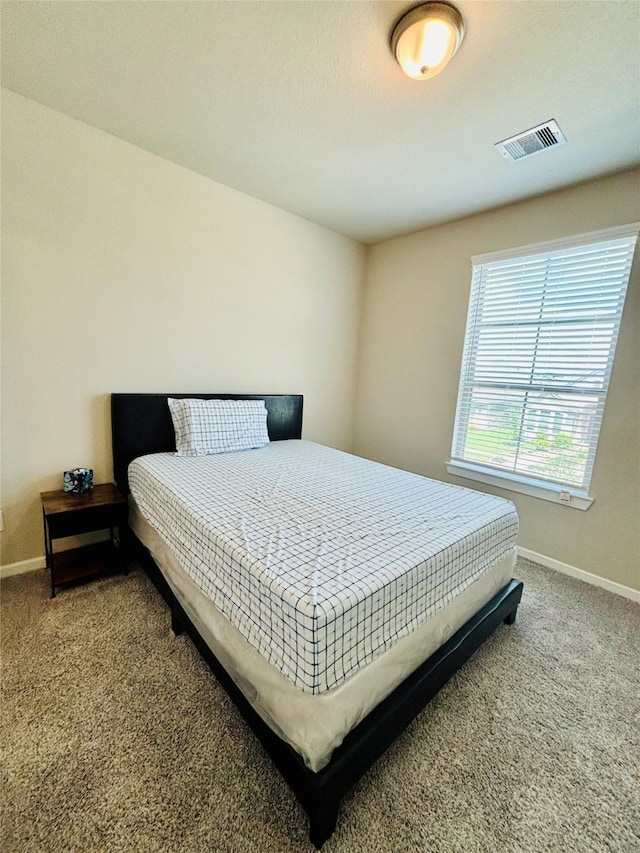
<point>416,297</point>
<point>124,272</point>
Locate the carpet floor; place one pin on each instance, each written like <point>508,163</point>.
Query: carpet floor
<point>116,737</point>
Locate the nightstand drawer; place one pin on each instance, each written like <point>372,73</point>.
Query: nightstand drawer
<point>85,520</point>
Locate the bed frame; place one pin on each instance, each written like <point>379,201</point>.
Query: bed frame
<point>142,424</point>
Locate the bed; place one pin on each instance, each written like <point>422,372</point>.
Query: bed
<point>326,673</point>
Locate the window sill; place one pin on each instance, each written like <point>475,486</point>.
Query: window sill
<point>535,488</point>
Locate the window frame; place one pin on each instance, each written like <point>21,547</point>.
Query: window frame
<point>545,489</point>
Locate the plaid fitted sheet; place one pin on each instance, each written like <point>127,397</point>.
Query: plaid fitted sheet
<point>322,560</point>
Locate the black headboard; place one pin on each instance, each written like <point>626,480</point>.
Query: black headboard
<point>141,423</point>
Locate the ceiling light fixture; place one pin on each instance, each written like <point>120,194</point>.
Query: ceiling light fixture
<point>425,38</point>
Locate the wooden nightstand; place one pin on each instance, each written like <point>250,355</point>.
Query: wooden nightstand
<point>66,514</point>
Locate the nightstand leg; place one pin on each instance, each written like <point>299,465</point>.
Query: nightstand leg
<point>48,552</point>
<point>122,547</point>
<point>125,543</point>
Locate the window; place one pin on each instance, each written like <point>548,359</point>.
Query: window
<point>541,336</point>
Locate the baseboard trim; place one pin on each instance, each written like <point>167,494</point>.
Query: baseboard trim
<point>22,567</point>
<point>580,574</point>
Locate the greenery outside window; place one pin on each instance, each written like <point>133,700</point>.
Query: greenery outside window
<point>541,336</point>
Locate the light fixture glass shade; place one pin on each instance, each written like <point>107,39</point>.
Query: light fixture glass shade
<point>425,38</point>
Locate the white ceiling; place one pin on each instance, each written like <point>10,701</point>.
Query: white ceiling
<point>301,104</point>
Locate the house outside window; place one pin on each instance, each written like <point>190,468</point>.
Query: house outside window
<point>541,335</point>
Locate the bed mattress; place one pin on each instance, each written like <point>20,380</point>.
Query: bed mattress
<point>314,724</point>
<point>321,560</point>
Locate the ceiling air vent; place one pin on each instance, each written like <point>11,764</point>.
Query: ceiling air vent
<point>532,141</point>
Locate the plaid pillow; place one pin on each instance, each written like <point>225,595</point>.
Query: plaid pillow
<point>203,427</point>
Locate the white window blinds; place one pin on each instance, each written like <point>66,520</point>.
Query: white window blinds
<point>539,347</point>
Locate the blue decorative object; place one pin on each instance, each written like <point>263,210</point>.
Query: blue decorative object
<point>78,481</point>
